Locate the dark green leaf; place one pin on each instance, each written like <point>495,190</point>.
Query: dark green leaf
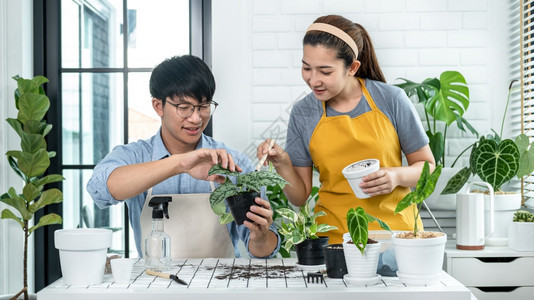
<point>218,169</point>
<point>16,125</point>
<point>32,107</point>
<point>437,144</point>
<point>358,226</point>
<point>496,163</point>
<point>32,165</point>
<point>455,184</point>
<point>47,197</point>
<point>222,192</point>
<point>452,99</point>
<point>18,203</point>
<point>15,166</point>
<point>46,220</point>
<point>48,179</point>
<point>32,143</point>
<point>31,192</point>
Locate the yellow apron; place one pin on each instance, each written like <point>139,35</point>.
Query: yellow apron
<point>338,141</point>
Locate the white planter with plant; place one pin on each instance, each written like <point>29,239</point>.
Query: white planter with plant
<point>30,163</point>
<point>301,227</point>
<point>497,161</point>
<point>445,100</point>
<point>419,254</point>
<point>245,188</point>
<point>521,231</point>
<point>361,252</point>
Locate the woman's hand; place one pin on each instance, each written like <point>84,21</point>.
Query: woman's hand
<point>276,154</point>
<point>381,182</point>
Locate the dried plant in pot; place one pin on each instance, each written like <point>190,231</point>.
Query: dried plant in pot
<point>361,252</point>
<point>302,232</point>
<point>30,163</point>
<point>419,254</point>
<point>240,193</point>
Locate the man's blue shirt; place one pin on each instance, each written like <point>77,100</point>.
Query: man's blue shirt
<point>151,150</point>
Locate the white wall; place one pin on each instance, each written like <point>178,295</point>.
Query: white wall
<point>15,58</point>
<point>258,49</point>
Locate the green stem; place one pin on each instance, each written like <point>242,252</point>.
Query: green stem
<point>444,136</point>
<point>459,155</point>
<point>507,102</point>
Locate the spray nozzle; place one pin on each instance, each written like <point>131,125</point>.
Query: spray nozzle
<point>160,205</point>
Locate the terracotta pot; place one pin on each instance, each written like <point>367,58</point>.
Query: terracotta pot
<point>240,204</point>
<point>334,259</point>
<point>310,252</point>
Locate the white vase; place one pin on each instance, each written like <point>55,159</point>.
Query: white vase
<point>82,254</point>
<point>420,261</point>
<point>521,236</point>
<point>443,202</point>
<point>505,206</point>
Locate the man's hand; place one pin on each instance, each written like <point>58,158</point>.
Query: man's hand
<point>198,163</point>
<point>262,240</point>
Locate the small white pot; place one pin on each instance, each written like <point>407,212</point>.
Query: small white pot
<point>356,171</point>
<point>82,254</point>
<point>419,258</point>
<point>521,236</point>
<point>358,265</point>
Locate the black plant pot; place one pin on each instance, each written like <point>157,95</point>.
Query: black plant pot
<point>334,258</point>
<point>240,204</point>
<point>310,252</point>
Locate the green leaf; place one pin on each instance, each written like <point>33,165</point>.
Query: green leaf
<point>421,90</point>
<point>32,107</point>
<point>46,220</point>
<point>404,203</point>
<point>288,214</point>
<point>526,158</point>
<point>37,127</point>
<point>32,165</point>
<point>222,192</point>
<point>218,169</point>
<point>17,202</point>
<point>358,225</point>
<point>47,197</point>
<point>257,179</point>
<point>32,143</point>
<point>437,144</point>
<point>457,181</point>
<point>382,224</point>
<point>451,101</point>
<point>324,228</point>
<point>16,125</point>
<point>48,179</point>
<point>7,214</point>
<point>15,166</point>
<point>495,163</point>
<point>226,218</point>
<point>31,192</point>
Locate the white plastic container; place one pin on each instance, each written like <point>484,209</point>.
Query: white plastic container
<point>356,171</point>
<point>82,254</point>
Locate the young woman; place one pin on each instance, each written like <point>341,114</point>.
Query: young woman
<point>350,115</point>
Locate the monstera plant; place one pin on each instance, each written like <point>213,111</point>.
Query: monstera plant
<point>30,163</point>
<point>495,160</point>
<point>445,101</point>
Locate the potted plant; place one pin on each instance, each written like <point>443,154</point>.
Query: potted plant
<point>30,163</point>
<point>240,193</point>
<point>419,254</point>
<point>521,231</point>
<point>497,161</point>
<point>361,252</point>
<point>445,100</point>
<point>301,232</point>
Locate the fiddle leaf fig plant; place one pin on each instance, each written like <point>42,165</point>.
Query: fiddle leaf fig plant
<point>301,225</point>
<point>425,186</point>
<point>495,160</point>
<point>358,223</point>
<point>445,101</point>
<point>242,183</point>
<point>30,163</point>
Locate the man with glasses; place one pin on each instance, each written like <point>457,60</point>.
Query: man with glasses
<point>175,162</point>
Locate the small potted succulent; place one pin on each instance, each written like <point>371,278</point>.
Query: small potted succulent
<point>30,163</point>
<point>419,253</point>
<point>301,232</point>
<point>241,193</point>
<point>361,252</point>
<point>521,231</point>
<point>497,161</point>
<point>445,100</point>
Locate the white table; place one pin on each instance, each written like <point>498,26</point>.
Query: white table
<point>250,279</point>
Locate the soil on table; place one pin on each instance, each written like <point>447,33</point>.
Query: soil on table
<point>257,271</point>
<point>420,235</point>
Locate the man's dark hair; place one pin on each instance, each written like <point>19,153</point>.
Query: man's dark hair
<point>182,76</point>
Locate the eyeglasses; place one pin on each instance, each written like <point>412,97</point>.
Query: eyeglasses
<point>185,110</point>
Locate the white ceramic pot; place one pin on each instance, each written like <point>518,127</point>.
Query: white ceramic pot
<point>443,202</point>
<point>505,206</point>
<point>521,236</point>
<point>420,261</point>
<point>82,254</point>
<point>358,265</point>
<point>356,171</point>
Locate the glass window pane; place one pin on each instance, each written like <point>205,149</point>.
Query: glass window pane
<point>159,30</point>
<point>79,209</point>
<point>92,115</point>
<point>143,121</point>
<point>91,35</point>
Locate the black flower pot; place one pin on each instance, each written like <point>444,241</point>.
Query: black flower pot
<point>334,259</point>
<point>240,204</point>
<point>310,252</point>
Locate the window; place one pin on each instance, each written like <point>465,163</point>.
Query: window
<point>98,56</point>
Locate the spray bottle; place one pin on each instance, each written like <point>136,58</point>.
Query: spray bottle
<point>158,243</point>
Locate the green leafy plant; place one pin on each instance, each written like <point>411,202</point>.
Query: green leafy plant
<point>523,216</point>
<point>495,160</point>
<point>30,163</point>
<point>425,186</point>
<point>358,223</point>
<point>445,101</point>
<point>301,225</point>
<point>242,183</point>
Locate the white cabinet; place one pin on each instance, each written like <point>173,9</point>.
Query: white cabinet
<point>492,273</point>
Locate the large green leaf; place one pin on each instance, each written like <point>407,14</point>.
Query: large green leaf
<point>32,143</point>
<point>421,90</point>
<point>218,169</point>
<point>437,144</point>
<point>222,192</point>
<point>47,197</point>
<point>457,181</point>
<point>16,125</point>
<point>451,101</point>
<point>358,225</point>
<point>526,158</point>
<point>258,179</point>
<point>425,186</point>
<point>31,192</point>
<point>15,166</point>
<point>17,202</point>
<point>7,214</point>
<point>31,164</point>
<point>48,179</point>
<point>32,107</point>
<point>496,163</point>
<point>46,220</point>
